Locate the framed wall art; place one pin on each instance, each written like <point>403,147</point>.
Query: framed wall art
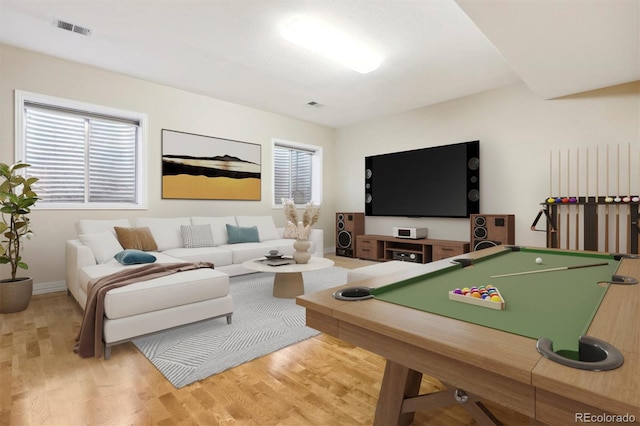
<point>197,167</point>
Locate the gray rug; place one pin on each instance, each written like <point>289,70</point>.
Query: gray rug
<point>261,324</point>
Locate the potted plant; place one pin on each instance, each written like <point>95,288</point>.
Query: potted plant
<point>16,199</point>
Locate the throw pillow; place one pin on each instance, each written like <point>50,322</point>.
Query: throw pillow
<point>239,234</point>
<point>265,224</point>
<point>136,238</point>
<point>218,226</point>
<point>166,231</point>
<point>195,236</point>
<point>134,257</point>
<point>104,245</point>
<point>291,231</point>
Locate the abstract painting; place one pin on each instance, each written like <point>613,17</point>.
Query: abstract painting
<point>198,167</point>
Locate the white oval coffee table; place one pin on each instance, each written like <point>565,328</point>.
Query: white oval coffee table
<point>288,282</point>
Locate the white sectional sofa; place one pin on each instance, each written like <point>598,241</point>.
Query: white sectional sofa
<point>179,299</point>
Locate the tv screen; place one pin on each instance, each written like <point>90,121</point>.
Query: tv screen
<point>440,181</point>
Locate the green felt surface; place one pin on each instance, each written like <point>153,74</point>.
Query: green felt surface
<point>558,305</point>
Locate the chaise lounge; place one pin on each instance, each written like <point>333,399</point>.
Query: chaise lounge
<point>173,300</point>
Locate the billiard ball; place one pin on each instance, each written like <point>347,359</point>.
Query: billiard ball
<point>539,260</point>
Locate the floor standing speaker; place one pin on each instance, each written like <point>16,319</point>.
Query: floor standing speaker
<point>489,230</point>
<point>348,226</point>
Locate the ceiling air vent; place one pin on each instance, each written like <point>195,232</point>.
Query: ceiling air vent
<point>72,27</point>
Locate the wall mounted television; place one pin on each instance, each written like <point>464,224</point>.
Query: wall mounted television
<point>439,181</point>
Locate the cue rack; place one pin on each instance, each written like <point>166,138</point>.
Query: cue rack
<point>600,209</point>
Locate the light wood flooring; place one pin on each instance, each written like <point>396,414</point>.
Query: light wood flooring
<point>320,381</point>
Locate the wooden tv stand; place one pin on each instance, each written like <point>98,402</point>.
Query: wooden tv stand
<point>383,248</point>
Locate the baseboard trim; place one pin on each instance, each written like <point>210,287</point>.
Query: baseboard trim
<point>50,287</point>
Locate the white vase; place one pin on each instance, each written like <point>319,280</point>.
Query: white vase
<point>301,255</point>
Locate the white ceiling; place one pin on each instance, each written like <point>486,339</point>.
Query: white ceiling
<point>433,50</point>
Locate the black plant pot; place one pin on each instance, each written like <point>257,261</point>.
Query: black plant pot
<point>15,295</point>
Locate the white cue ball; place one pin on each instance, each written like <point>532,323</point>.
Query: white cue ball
<point>539,260</point>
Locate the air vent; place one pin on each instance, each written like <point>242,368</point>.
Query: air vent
<point>72,27</point>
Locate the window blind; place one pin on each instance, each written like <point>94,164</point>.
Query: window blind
<point>80,157</point>
<point>292,174</point>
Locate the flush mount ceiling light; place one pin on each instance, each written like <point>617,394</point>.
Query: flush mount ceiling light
<point>331,44</point>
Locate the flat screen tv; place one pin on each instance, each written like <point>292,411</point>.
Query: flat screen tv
<point>440,181</point>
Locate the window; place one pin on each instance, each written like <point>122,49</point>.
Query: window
<point>297,172</point>
<point>86,156</point>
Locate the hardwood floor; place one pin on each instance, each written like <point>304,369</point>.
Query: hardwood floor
<point>320,381</point>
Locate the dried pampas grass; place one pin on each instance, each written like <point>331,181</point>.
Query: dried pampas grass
<point>309,217</point>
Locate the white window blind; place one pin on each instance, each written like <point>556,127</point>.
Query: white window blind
<point>82,158</point>
<point>293,174</point>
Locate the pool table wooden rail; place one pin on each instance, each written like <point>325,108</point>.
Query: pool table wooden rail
<point>501,367</point>
<point>616,391</point>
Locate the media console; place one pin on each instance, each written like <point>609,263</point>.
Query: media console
<point>384,248</point>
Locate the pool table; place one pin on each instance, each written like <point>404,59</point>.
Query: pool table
<point>486,354</point>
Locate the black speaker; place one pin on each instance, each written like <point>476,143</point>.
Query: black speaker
<point>348,226</point>
<point>490,230</point>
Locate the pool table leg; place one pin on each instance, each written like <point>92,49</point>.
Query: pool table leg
<point>399,399</point>
<point>398,383</point>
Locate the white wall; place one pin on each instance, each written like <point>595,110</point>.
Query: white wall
<point>517,132</point>
<point>167,108</point>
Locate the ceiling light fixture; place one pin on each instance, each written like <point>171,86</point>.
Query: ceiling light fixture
<point>332,44</point>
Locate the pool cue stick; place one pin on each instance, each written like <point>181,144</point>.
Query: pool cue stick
<point>577,198</point>
<point>618,203</point>
<point>538,271</point>
<point>597,192</point>
<point>549,234</point>
<point>558,227</point>
<point>606,208</point>
<point>629,192</point>
<point>568,192</point>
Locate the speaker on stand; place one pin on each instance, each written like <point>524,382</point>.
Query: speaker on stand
<point>490,230</point>
<point>348,226</point>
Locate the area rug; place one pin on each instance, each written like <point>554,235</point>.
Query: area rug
<point>261,324</point>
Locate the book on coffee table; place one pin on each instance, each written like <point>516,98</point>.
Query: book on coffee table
<point>278,262</point>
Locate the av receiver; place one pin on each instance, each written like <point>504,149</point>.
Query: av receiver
<point>407,257</point>
<point>412,233</point>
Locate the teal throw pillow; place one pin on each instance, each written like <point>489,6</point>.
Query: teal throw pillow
<point>239,234</point>
<point>134,257</point>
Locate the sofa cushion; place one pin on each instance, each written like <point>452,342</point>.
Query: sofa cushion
<point>134,257</point>
<point>266,226</point>
<point>194,236</point>
<point>104,245</point>
<point>238,234</point>
<point>166,231</point>
<point>165,292</point>
<point>246,251</point>
<point>93,226</point>
<point>218,226</point>
<point>215,255</point>
<point>136,238</point>
<point>88,273</point>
